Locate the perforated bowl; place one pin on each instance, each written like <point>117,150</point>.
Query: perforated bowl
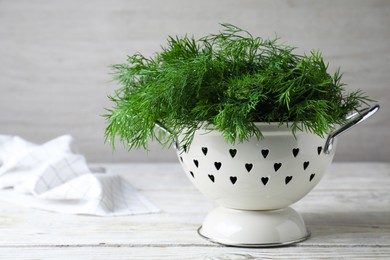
<point>265,174</point>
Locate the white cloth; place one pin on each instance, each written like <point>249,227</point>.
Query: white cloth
<point>52,177</point>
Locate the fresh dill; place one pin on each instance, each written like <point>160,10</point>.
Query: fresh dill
<point>227,80</point>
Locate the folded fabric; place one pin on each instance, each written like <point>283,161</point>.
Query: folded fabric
<point>52,177</point>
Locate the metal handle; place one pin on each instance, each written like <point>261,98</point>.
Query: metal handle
<point>166,130</point>
<point>163,127</point>
<point>353,120</point>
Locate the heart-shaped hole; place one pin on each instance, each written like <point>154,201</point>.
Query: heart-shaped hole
<point>233,179</point>
<point>295,152</point>
<point>218,165</point>
<point>265,153</point>
<point>204,150</point>
<point>305,165</point>
<point>288,179</point>
<point>233,152</point>
<point>196,163</point>
<point>248,166</point>
<point>212,178</point>
<point>264,180</point>
<point>277,166</point>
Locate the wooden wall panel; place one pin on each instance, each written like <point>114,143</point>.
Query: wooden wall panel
<point>55,57</point>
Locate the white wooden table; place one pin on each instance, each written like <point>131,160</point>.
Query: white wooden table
<point>348,215</point>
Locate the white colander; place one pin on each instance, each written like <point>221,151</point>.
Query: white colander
<point>254,182</point>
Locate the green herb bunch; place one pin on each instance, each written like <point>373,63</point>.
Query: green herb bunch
<point>227,80</point>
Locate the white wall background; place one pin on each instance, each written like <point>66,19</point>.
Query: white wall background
<point>55,57</point>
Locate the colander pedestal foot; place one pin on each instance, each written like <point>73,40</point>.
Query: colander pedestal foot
<point>254,228</point>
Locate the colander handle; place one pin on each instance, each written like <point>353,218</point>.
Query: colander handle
<point>166,130</point>
<point>352,120</point>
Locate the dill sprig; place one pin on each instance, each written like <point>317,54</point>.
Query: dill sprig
<point>227,80</point>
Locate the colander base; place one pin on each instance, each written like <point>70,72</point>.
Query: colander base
<point>254,228</point>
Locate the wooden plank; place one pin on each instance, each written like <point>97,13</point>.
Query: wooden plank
<point>105,252</point>
<point>328,226</point>
<point>346,218</point>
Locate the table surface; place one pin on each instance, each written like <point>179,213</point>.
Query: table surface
<point>348,214</point>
